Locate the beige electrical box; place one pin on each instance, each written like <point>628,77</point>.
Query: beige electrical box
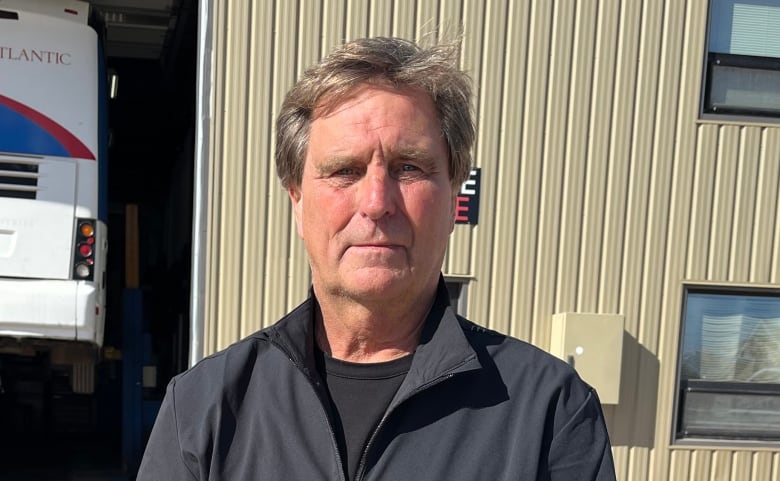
<point>593,344</point>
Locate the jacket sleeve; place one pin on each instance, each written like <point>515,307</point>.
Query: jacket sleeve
<point>580,450</point>
<point>164,459</point>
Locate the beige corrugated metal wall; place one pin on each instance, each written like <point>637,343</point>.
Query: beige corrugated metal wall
<point>602,190</point>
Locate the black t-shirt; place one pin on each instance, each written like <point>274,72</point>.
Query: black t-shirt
<point>360,394</point>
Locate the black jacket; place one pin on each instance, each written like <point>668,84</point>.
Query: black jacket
<point>475,405</point>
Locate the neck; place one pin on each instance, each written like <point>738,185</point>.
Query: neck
<point>356,332</point>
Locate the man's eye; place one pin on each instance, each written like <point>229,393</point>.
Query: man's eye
<point>409,168</point>
<point>346,171</point>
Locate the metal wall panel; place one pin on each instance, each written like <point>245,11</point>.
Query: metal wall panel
<point>602,189</point>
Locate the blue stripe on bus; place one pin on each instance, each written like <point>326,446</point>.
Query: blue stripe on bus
<point>21,135</point>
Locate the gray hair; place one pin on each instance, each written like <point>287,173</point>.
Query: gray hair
<point>396,61</point>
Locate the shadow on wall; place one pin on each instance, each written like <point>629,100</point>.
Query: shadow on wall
<point>632,422</point>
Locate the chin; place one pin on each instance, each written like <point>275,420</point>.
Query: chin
<point>377,283</point>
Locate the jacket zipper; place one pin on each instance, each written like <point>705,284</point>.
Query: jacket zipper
<point>362,466</point>
<point>334,442</point>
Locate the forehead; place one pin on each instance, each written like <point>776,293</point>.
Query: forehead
<point>377,112</point>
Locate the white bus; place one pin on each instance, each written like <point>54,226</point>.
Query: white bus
<point>53,149</point>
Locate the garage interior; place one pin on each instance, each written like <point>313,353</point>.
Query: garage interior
<point>51,433</point>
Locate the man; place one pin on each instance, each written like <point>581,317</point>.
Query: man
<point>374,376</point>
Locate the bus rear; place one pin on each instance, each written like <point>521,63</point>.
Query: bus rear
<point>52,159</point>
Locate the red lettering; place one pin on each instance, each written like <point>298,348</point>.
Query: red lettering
<point>461,206</point>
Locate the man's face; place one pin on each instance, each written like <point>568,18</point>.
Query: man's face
<point>375,206</point>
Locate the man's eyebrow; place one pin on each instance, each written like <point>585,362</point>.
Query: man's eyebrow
<point>411,153</point>
<point>336,162</point>
<point>333,163</point>
<point>419,155</point>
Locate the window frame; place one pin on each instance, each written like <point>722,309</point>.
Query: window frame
<point>718,387</point>
<point>751,62</point>
<point>711,60</point>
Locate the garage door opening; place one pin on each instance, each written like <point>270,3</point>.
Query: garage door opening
<point>52,426</point>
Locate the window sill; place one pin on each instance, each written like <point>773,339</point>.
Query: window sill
<point>706,444</point>
<point>738,120</point>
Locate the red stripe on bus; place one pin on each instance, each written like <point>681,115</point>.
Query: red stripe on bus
<point>69,142</point>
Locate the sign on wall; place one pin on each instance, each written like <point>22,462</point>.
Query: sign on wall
<point>467,206</point>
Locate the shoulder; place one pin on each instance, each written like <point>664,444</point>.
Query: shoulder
<point>224,369</point>
<point>227,373</point>
<point>543,387</point>
<point>511,348</point>
<point>525,366</point>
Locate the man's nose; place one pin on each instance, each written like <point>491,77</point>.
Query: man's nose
<point>377,194</point>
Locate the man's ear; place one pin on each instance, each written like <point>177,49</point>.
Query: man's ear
<point>296,199</point>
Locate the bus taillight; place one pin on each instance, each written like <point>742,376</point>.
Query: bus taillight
<point>82,271</point>
<point>84,253</point>
<point>85,250</point>
<point>87,230</point>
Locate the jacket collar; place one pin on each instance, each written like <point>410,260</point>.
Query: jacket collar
<point>443,350</point>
